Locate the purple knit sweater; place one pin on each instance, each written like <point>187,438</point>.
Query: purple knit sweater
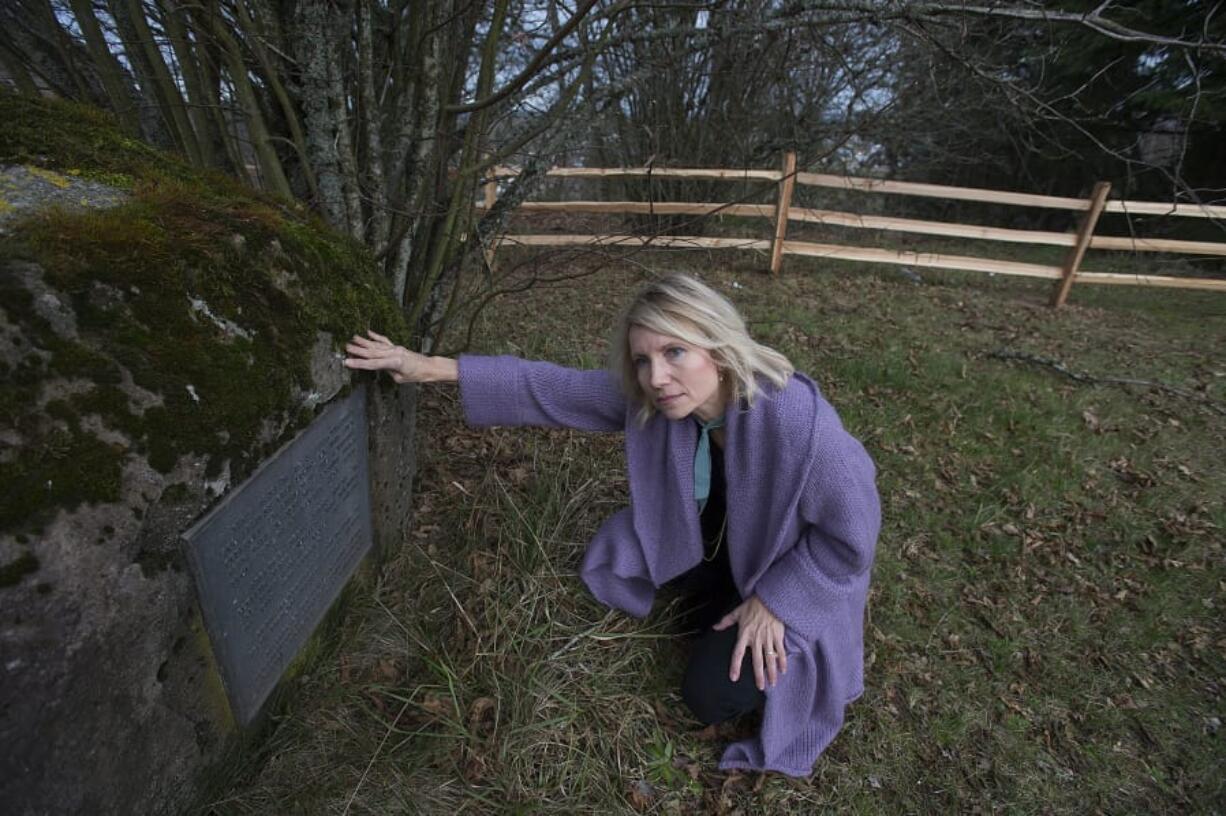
<point>803,518</point>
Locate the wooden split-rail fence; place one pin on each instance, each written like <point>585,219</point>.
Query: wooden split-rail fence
<point>782,213</point>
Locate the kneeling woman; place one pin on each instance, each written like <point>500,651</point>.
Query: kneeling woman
<point>743,483</point>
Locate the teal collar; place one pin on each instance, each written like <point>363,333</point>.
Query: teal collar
<point>702,461</point>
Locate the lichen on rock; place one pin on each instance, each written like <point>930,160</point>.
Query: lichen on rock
<point>28,188</point>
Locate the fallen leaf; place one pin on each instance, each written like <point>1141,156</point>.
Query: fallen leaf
<point>641,794</point>
<point>475,767</point>
<point>731,783</point>
<point>386,670</point>
<point>691,768</point>
<point>437,704</point>
<point>481,563</point>
<point>482,717</point>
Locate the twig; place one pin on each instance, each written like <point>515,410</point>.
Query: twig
<point>373,757</point>
<point>1055,365</point>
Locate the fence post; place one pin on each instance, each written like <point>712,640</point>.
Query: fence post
<point>491,195</point>
<point>491,189</point>
<point>1085,230</point>
<point>786,184</point>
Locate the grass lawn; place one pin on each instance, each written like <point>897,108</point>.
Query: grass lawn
<point>1045,626</point>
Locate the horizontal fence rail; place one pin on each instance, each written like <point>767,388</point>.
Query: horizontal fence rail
<point>782,213</point>
<point>871,185</point>
<point>813,250</point>
<point>879,222</point>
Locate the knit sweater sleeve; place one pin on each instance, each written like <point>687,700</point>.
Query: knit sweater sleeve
<point>814,584</point>
<point>511,391</point>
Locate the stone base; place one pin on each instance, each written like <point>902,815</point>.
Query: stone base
<point>110,701</point>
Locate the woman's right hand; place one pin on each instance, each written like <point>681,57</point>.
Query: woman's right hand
<point>377,353</point>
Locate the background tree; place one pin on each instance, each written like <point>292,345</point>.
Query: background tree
<point>1055,106</point>
<point>386,115</point>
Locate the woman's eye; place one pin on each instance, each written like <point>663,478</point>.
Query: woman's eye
<point>675,351</point>
<point>639,362</point>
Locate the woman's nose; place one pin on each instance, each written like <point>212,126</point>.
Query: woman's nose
<point>659,375</point>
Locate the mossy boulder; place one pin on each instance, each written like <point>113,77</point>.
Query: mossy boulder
<point>152,353</point>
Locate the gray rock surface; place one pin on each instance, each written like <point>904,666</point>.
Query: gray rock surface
<point>28,189</point>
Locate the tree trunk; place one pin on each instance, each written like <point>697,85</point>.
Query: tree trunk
<point>198,115</point>
<point>118,84</point>
<point>170,99</point>
<point>88,89</point>
<point>459,208</point>
<point>339,104</point>
<point>16,68</point>
<point>29,29</point>
<point>258,31</point>
<point>153,117</point>
<point>208,64</point>
<point>377,234</point>
<point>271,172</point>
<point>312,33</point>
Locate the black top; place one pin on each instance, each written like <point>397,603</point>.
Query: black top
<point>715,515</point>
<point>709,584</point>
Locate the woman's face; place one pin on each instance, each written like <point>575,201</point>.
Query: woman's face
<point>678,378</point>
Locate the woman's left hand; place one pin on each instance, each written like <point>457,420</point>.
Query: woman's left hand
<point>761,633</point>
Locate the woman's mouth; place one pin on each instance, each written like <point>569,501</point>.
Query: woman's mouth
<point>667,400</point>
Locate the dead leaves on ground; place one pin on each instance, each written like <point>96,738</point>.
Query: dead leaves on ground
<point>473,754</point>
<point>476,764</point>
<point>641,794</point>
<point>732,793</point>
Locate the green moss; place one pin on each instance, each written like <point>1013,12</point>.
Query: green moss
<point>65,469</point>
<point>153,562</point>
<point>12,572</point>
<point>60,409</point>
<point>73,360</point>
<point>131,274</point>
<point>121,181</point>
<point>176,493</point>
<point>76,139</point>
<point>110,403</point>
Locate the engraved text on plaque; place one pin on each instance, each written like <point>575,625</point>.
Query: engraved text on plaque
<point>273,555</point>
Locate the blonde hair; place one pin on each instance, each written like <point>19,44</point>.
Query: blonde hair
<point>682,307</point>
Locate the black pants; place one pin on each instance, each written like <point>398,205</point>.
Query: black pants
<point>709,594</point>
